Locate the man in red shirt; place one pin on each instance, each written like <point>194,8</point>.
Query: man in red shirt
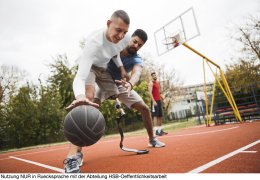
<point>156,106</point>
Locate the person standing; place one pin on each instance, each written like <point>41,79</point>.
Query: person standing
<point>156,105</point>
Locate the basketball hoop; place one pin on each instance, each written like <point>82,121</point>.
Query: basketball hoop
<point>166,37</point>
<point>172,41</point>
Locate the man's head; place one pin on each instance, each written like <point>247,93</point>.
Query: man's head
<point>117,26</point>
<point>154,76</point>
<point>138,39</point>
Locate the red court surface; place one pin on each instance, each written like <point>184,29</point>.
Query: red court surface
<point>230,148</point>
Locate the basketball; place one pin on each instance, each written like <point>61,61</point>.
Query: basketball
<point>84,125</point>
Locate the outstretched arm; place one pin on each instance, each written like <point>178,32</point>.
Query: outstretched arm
<point>136,74</point>
<point>135,77</point>
<point>118,62</point>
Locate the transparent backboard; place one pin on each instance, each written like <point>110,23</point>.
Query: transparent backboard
<point>179,30</point>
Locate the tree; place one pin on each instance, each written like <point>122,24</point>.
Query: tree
<point>10,79</point>
<point>61,79</point>
<point>21,118</point>
<point>245,70</point>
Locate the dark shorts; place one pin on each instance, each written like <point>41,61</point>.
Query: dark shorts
<point>157,110</point>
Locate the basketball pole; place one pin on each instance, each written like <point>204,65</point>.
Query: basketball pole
<point>206,96</point>
<point>225,88</point>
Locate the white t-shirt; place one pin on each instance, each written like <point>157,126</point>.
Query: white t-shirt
<point>98,51</point>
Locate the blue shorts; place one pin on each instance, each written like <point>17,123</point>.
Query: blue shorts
<point>156,111</point>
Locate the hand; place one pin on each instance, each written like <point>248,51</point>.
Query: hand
<point>124,74</point>
<point>81,101</point>
<point>154,103</point>
<point>126,84</point>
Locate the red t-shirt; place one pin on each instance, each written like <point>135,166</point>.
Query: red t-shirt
<point>156,91</point>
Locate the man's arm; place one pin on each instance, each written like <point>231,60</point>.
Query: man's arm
<point>150,89</point>
<point>136,74</point>
<point>85,63</point>
<point>118,62</point>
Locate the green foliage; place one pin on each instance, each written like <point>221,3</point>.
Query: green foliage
<point>242,74</point>
<point>21,116</point>
<point>62,78</point>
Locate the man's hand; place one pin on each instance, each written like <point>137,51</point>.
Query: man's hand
<point>154,103</point>
<point>79,102</point>
<point>124,74</point>
<point>126,84</point>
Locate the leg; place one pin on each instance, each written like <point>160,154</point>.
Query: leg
<point>155,124</point>
<point>136,102</point>
<point>160,119</point>
<point>146,117</point>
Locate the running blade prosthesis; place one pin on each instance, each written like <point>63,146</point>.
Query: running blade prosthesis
<point>122,139</point>
<point>118,120</point>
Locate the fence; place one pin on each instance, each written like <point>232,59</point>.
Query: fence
<point>248,103</point>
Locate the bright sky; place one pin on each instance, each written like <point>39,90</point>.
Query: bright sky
<point>34,31</point>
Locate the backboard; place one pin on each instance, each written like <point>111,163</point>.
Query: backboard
<point>179,30</point>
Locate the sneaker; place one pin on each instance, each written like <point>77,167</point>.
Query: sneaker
<point>157,133</point>
<point>71,165</point>
<point>80,158</point>
<point>156,143</point>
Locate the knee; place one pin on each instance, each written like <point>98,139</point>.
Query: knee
<point>145,108</point>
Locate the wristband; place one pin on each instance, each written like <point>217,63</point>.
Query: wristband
<point>131,85</point>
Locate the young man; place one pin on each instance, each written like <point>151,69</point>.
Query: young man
<point>133,63</point>
<point>156,105</point>
<point>100,47</point>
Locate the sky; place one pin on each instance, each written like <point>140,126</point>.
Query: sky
<point>34,32</point>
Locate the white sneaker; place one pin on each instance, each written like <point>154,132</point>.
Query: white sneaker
<point>156,143</point>
<point>71,165</point>
<point>80,158</point>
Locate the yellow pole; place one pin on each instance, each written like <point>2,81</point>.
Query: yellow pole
<point>231,96</point>
<point>212,100</point>
<point>204,57</point>
<point>226,93</point>
<point>206,96</point>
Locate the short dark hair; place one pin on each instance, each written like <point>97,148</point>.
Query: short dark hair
<point>121,14</point>
<point>141,34</point>
<point>153,73</point>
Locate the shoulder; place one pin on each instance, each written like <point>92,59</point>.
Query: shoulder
<point>138,60</point>
<point>137,57</point>
<point>95,37</point>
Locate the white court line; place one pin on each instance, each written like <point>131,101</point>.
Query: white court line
<point>216,161</point>
<point>199,133</point>
<point>36,152</point>
<point>39,164</point>
<point>248,152</point>
<point>178,135</point>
